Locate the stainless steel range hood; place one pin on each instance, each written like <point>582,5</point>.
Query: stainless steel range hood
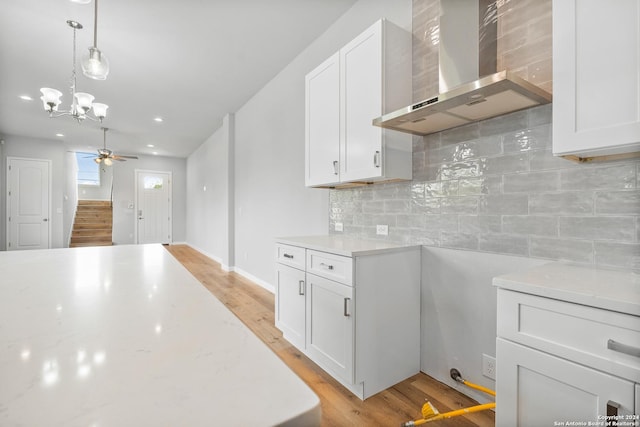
<point>492,95</point>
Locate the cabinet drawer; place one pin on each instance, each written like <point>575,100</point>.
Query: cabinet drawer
<point>603,339</point>
<point>290,255</point>
<point>330,266</point>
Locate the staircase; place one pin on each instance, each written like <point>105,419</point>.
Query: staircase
<point>93,224</point>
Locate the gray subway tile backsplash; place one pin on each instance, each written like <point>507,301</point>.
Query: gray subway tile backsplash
<point>621,229</point>
<point>504,193</point>
<point>618,255</point>
<point>613,176</point>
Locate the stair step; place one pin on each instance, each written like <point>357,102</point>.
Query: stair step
<point>94,203</point>
<point>88,223</point>
<point>83,232</point>
<point>84,245</point>
<point>91,239</point>
<point>94,215</point>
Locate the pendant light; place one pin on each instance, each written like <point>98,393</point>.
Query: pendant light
<point>95,64</point>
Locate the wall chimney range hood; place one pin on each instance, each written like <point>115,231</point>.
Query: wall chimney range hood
<point>463,56</point>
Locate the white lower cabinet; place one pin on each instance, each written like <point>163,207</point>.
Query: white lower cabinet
<point>559,362</point>
<point>290,306</point>
<point>356,313</point>
<point>330,326</point>
<point>538,389</point>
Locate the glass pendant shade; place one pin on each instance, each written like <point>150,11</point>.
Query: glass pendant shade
<point>84,101</point>
<point>95,64</point>
<point>108,161</point>
<point>98,160</point>
<point>100,110</point>
<point>50,98</point>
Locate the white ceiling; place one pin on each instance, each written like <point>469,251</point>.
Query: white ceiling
<point>189,62</point>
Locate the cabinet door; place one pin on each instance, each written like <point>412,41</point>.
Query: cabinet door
<point>361,102</point>
<point>322,123</point>
<point>290,304</point>
<point>535,388</point>
<point>596,90</point>
<point>330,326</point>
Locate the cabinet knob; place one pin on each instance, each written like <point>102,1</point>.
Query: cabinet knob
<point>327,266</point>
<point>288,256</point>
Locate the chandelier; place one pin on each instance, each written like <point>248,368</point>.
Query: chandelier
<point>81,102</point>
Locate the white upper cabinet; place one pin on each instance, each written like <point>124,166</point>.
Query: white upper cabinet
<point>596,83</point>
<point>322,123</point>
<point>368,77</point>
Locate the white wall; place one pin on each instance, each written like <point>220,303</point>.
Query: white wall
<point>70,195</point>
<point>270,197</point>
<point>124,219</point>
<point>458,312</point>
<point>98,192</point>
<point>17,146</point>
<point>209,195</point>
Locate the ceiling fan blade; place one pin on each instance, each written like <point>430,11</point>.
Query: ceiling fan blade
<point>119,159</point>
<point>124,157</point>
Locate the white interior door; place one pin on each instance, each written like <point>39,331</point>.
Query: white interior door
<point>153,207</point>
<point>28,196</point>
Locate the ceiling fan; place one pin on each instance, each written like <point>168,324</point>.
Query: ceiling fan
<point>107,156</point>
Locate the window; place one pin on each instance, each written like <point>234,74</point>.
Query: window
<point>88,169</point>
<point>153,183</point>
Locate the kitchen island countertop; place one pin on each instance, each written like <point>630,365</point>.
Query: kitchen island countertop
<point>125,335</point>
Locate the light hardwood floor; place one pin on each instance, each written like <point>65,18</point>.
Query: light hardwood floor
<point>254,306</point>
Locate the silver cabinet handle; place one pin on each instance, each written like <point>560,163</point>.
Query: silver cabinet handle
<point>623,348</point>
<point>335,167</point>
<point>301,287</point>
<point>327,266</point>
<point>346,307</point>
<point>612,408</point>
<point>376,159</point>
<point>288,256</point>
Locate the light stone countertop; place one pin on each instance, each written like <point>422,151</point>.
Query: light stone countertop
<point>125,335</point>
<point>343,245</point>
<point>608,289</point>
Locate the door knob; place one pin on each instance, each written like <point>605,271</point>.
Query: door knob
<point>45,219</point>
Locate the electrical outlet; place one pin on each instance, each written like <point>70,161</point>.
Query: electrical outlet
<point>489,366</point>
<point>382,230</point>
<point>339,226</point>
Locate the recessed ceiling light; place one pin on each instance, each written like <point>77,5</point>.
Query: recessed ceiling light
<point>26,98</point>
<point>60,135</point>
<point>158,119</point>
<point>155,153</point>
<point>150,145</point>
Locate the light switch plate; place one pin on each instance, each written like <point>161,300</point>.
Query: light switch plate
<point>339,226</point>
